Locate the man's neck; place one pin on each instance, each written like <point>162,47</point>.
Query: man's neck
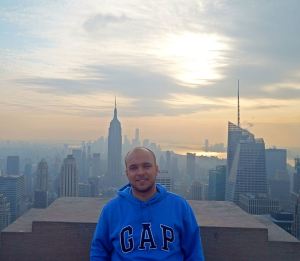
<point>144,196</point>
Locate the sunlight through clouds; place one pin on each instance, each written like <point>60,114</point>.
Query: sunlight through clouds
<point>195,59</point>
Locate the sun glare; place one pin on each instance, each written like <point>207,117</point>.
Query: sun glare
<point>194,59</point>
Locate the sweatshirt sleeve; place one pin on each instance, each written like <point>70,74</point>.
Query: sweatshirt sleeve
<point>191,240</point>
<point>101,246</point>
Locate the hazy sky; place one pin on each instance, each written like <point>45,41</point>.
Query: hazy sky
<point>173,65</point>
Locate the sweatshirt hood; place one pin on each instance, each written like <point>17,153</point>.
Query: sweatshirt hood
<point>126,193</point>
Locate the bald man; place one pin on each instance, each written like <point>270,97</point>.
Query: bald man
<point>146,222</point>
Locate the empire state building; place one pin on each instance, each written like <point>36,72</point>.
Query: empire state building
<point>114,150</point>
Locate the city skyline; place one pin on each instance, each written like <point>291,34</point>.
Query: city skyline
<point>173,66</point>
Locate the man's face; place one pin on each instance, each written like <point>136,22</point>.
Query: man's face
<point>141,171</point>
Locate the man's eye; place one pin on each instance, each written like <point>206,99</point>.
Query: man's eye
<point>147,166</point>
<point>133,167</point>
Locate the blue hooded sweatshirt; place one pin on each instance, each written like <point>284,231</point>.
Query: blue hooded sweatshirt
<point>162,228</point>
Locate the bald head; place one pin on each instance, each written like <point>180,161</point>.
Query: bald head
<point>137,149</point>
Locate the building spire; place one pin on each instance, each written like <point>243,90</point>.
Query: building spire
<point>238,105</point>
<point>115,110</point>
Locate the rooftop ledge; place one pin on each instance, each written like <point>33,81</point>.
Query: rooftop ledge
<point>228,233</point>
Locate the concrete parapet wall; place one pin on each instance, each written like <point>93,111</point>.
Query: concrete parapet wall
<point>234,243</point>
<point>64,232</point>
<point>48,242</point>
<point>71,241</point>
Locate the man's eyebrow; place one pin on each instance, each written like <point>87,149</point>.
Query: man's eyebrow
<point>147,162</point>
<point>143,163</point>
<point>133,164</point>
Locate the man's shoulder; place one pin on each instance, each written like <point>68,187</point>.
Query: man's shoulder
<point>113,202</point>
<point>175,197</point>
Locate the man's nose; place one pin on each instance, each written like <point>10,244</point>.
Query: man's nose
<point>140,170</point>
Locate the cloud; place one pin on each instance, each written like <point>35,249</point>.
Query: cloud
<point>97,22</point>
<point>150,93</point>
<point>124,80</point>
<point>116,48</point>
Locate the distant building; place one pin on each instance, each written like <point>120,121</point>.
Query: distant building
<point>217,183</point>
<point>196,191</point>
<point>296,179</point>
<point>41,187</point>
<point>276,162</point>
<point>96,165</point>
<point>204,191</point>
<point>246,164</point>
<point>191,166</point>
<point>84,171</point>
<point>284,220</point>
<point>13,165</point>
<point>95,185</point>
<point>295,203</point>
<point>4,212</point>
<point>295,200</point>
<point>168,161</point>
<point>257,205</point>
<point>77,153</point>
<point>13,188</point>
<point>42,176</point>
<point>84,190</point>
<point>114,156</point>
<point>279,188</point>
<point>136,141</point>
<point>68,185</point>
<point>165,180</point>
<point>40,199</point>
<point>206,145</point>
<point>2,166</point>
<point>277,176</point>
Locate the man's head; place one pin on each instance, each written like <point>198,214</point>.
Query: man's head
<point>137,149</point>
<point>141,171</point>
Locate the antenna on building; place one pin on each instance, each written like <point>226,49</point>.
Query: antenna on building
<point>238,105</point>
<point>115,110</point>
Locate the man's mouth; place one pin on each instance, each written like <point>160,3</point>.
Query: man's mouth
<point>141,179</point>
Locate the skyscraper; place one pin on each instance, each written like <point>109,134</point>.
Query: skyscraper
<point>96,165</point>
<point>136,141</point>
<point>245,164</point>
<point>41,188</point>
<point>68,185</point>
<point>28,180</point>
<point>4,212</point>
<point>217,183</point>
<point>277,176</point>
<point>296,179</point>
<point>77,153</point>
<point>254,204</point>
<point>191,166</point>
<point>13,165</point>
<point>13,188</point>
<point>42,176</point>
<point>165,179</point>
<point>276,163</point>
<point>295,200</point>
<point>196,191</point>
<point>114,154</point>
<point>235,135</point>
